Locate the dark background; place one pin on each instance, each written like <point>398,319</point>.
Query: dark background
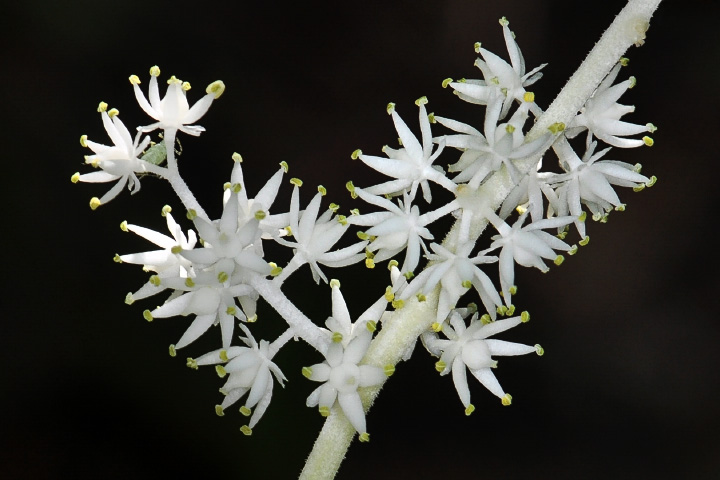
<point>629,385</point>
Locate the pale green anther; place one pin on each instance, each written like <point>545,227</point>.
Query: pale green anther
<point>216,88</point>
<point>584,241</point>
<point>222,277</point>
<point>390,108</point>
<point>389,370</point>
<point>334,207</point>
<point>223,355</point>
<point>371,325</point>
<point>389,295</point>
<point>408,275</point>
<point>559,260</point>
<point>421,101</point>
<point>539,350</point>
<point>75,177</point>
<point>223,392</point>
<point>129,299</point>
<point>525,316</point>
<point>633,82</point>
<point>421,298</point>
<point>245,411</point>
<point>112,112</point>
<point>621,207</point>
<point>510,310</point>
<point>350,187</point>
<point>246,430</point>
<point>355,154</point>
<point>562,235</point>
<point>220,370</point>
<point>83,140</point>
<point>363,235</point>
<point>191,363</point>
<point>123,226</point>
<point>231,310</point>
<point>652,181</point>
<point>219,411</point>
<point>502,310</point>
<point>637,168</point>
<point>470,408</point>
<point>189,282</point>
<point>485,319</point>
<point>102,107</point>
<point>648,141</point>
<point>337,337</point>
<point>507,399</point>
<point>582,217</point>
<point>604,219</point>
<point>509,128</point>
<point>155,280</point>
<point>285,166</point>
<point>342,219</point>
<point>165,210</point>
<point>440,366</point>
<point>436,327</point>
<point>513,290</point>
<point>477,47</point>
<point>171,350</point>
<point>651,127</point>
<point>296,181</point>
<point>191,214</point>
<point>237,158</point>
<point>322,190</point>
<point>472,306</point>
<point>334,283</point>
<point>260,215</point>
<point>573,250</point>
<point>596,217</point>
<point>504,22</point>
<point>556,128</point>
<point>227,185</point>
<point>276,271</point>
<point>176,249</point>
<point>252,319</point>
<point>624,61</point>
<point>504,91</point>
<point>117,259</point>
<point>449,80</point>
<point>155,71</point>
<point>392,263</point>
<point>307,372</point>
<point>324,411</point>
<point>462,80</point>
<point>236,188</point>
<point>466,284</point>
<point>398,304</point>
<point>496,81</point>
<point>431,117</point>
<point>364,437</point>
<point>639,188</point>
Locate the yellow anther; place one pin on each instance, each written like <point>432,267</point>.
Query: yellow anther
<point>191,214</point>
<point>334,283</point>
<point>502,310</point>
<point>171,350</point>
<point>421,101</point>
<point>436,326</point>
<point>477,47</point>
<point>620,208</point>
<point>94,203</point>
<point>525,316</point>
<point>216,88</point>
<point>389,295</point>
<point>584,241</point>
<point>189,282</point>
<point>276,271</point>
<point>223,355</point>
<point>260,215</point>
<point>124,226</point>
<point>134,80</point>
<point>324,411</point>
<point>322,190</point>
<point>447,81</point>
<point>112,112</point>
<point>252,318</point>
<point>408,275</point>
<point>504,21</point>
<point>470,408</point>
<point>440,366</point>
<point>219,411</point>
<point>155,71</point>
<point>165,210</point>
<point>227,185</point>
<point>246,430</point>
<point>392,263</point>
<point>556,128</point>
<point>236,188</point>
<point>624,61</point>
<point>337,337</point>
<point>237,158</point>
<point>296,181</point>
<point>389,370</point>
<point>539,350</point>
<point>191,363</point>
<point>510,310</point>
<point>371,325</point>
<point>117,259</point>
<point>431,117</point>
<point>513,290</point>
<point>362,235</point>
<point>83,140</point>
<point>220,370</point>
<point>529,97</point>
<point>466,284</point>
<point>390,108</point>
<point>369,263</point>
<point>509,128</point>
<point>185,86</point>
<point>633,82</point>
<point>420,297</point>
<point>285,166</point>
<point>231,310</point>
<point>102,107</point>
<point>307,372</point>
<point>342,219</point>
<point>507,399</point>
<point>485,319</point>
<point>504,91</point>
<point>245,411</point>
<point>652,181</point>
<point>129,300</point>
<point>573,250</point>
<point>559,260</point>
<point>176,249</point>
<point>364,437</point>
<point>147,315</point>
<point>155,280</point>
<point>334,207</point>
<point>639,188</point>
<point>648,141</point>
<point>223,277</point>
<point>398,304</point>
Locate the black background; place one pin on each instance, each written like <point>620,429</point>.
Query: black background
<point>628,387</point>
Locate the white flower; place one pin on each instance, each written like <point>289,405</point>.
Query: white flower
<point>118,162</point>
<point>400,226</point>
<point>470,347</point>
<point>314,237</point>
<point>590,182</point>
<point>342,376</point>
<point>500,78</point>
<point>525,245</point>
<point>529,194</point>
<point>456,273</point>
<point>411,165</point>
<point>341,329</point>
<point>601,115</point>
<point>250,369</point>
<point>173,112</point>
